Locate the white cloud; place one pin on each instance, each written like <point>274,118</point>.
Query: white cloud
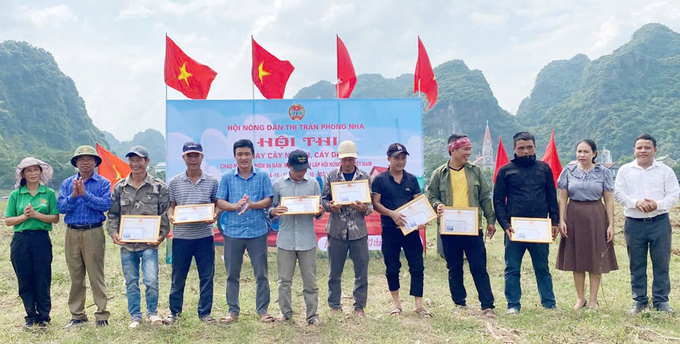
<point>488,20</point>
<point>54,16</point>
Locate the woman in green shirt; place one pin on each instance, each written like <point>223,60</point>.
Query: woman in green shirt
<point>32,209</point>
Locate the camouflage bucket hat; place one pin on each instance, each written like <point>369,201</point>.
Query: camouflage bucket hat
<point>85,150</point>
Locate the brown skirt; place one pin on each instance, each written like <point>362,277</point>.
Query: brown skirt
<point>586,248</point>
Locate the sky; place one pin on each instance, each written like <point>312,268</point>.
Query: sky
<point>115,50</point>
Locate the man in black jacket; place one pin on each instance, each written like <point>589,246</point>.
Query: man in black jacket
<point>525,188</point>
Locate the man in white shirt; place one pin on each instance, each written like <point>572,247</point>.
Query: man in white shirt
<point>647,190</point>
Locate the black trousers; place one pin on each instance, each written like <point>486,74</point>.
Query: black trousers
<point>393,240</point>
<point>182,251</point>
<point>475,251</point>
<point>31,255</point>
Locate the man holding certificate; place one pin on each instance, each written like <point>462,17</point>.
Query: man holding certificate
<point>296,240</point>
<point>346,228</point>
<point>391,190</point>
<point>462,185</point>
<point>193,194</point>
<point>137,221</point>
<point>526,188</point>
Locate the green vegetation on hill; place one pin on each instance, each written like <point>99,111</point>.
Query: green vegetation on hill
<point>151,139</point>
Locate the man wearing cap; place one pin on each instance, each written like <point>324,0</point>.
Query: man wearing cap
<point>461,184</point>
<point>346,229</point>
<point>139,194</point>
<point>296,240</point>
<point>392,189</point>
<point>189,240</point>
<point>84,198</point>
<point>244,194</point>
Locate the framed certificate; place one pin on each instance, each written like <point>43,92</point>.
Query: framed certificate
<point>535,230</point>
<point>139,228</point>
<point>301,205</point>
<point>418,212</point>
<point>349,192</point>
<point>194,213</point>
<point>459,221</point>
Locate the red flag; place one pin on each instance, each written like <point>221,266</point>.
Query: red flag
<point>185,74</point>
<point>346,76</point>
<point>112,167</point>
<point>270,74</point>
<point>552,159</point>
<point>424,80</point>
<point>501,157</point>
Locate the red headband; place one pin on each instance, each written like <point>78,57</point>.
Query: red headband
<point>461,142</point>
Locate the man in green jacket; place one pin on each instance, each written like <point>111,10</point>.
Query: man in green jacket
<point>461,184</point>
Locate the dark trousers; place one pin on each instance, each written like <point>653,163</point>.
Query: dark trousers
<point>475,251</point>
<point>393,240</point>
<point>182,252</point>
<point>337,255</point>
<point>31,255</point>
<point>234,249</point>
<point>514,252</point>
<point>655,237</point>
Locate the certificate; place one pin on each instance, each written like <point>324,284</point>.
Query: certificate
<point>459,221</point>
<point>349,192</point>
<point>535,230</point>
<point>194,213</point>
<point>139,228</point>
<point>301,205</point>
<point>418,212</point>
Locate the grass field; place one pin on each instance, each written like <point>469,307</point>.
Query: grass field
<point>534,325</point>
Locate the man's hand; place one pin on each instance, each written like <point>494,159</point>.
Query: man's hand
<point>490,230</point>
<point>158,241</point>
<point>440,209</point>
<point>651,203</point>
<point>321,211</point>
<point>509,232</point>
<point>214,219</point>
<point>563,228</point>
<point>75,188</point>
<point>116,239</point>
<point>646,206</point>
<point>280,210</point>
<point>171,217</point>
<point>334,207</point>
<point>554,232</point>
<point>81,187</point>
<point>243,204</point>
<point>398,218</point>
<point>360,207</point>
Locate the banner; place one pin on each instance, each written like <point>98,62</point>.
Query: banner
<point>277,127</point>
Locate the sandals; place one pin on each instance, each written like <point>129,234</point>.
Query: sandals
<point>229,318</point>
<point>395,311</point>
<point>423,312</point>
<point>266,318</point>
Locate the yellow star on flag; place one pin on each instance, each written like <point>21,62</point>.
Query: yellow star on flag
<point>261,72</point>
<point>183,74</point>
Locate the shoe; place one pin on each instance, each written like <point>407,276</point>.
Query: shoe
<point>171,319</point>
<point>206,319</point>
<point>489,313</point>
<point>512,311</point>
<point>314,322</point>
<point>360,313</point>
<point>102,323</point>
<point>74,323</point>
<point>135,322</point>
<point>155,320</point>
<point>29,323</point>
<point>664,307</point>
<point>637,308</point>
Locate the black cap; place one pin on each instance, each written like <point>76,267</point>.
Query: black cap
<point>192,147</point>
<point>138,151</point>
<point>298,160</point>
<point>396,149</point>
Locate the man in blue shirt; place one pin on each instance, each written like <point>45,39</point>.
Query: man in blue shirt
<point>244,194</point>
<point>84,198</point>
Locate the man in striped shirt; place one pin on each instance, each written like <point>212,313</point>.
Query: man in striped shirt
<point>192,239</point>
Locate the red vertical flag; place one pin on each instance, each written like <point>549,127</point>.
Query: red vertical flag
<point>424,80</point>
<point>185,74</point>
<point>346,76</point>
<point>552,159</point>
<point>270,74</point>
<point>501,157</point>
<point>112,167</point>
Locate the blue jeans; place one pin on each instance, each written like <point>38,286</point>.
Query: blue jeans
<point>514,252</point>
<point>130,261</point>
